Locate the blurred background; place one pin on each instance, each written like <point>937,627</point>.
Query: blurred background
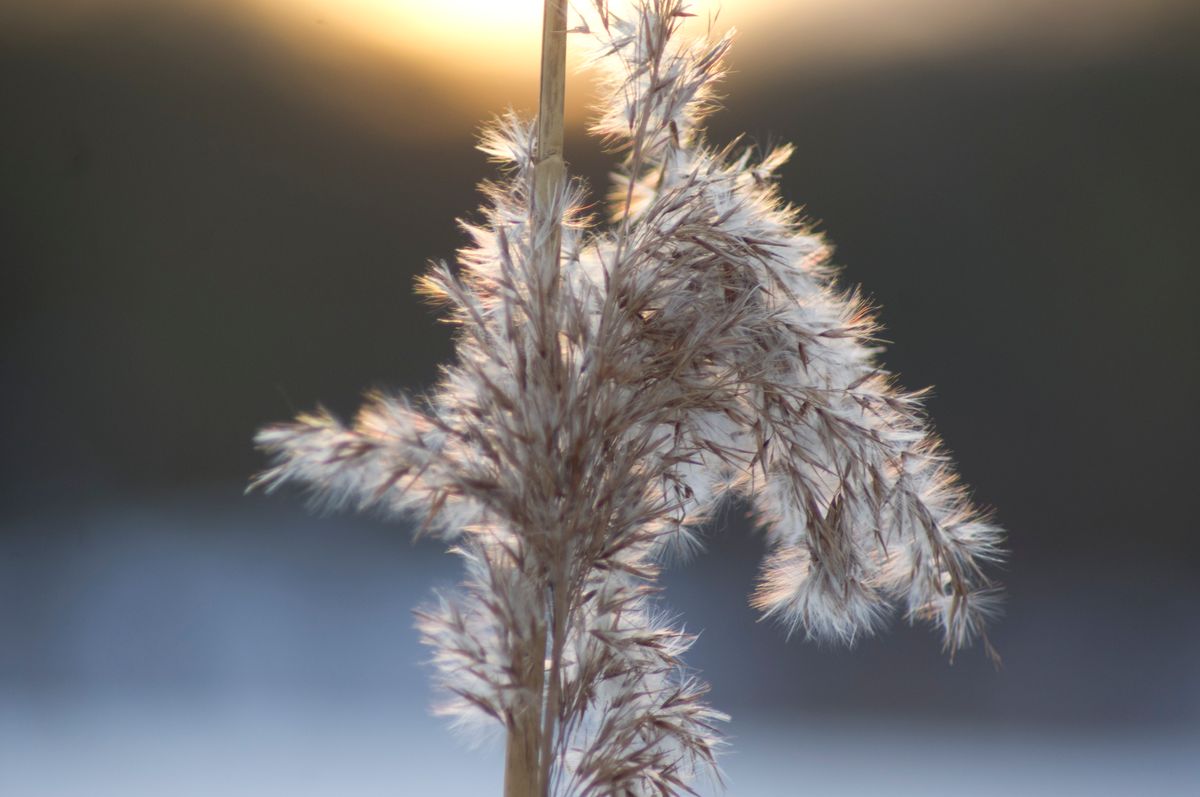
<point>211,215</point>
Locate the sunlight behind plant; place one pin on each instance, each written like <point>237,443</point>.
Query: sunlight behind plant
<point>500,36</point>
<point>416,68</point>
<point>480,56</point>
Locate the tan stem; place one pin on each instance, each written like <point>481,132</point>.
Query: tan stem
<point>521,754</point>
<point>549,167</point>
<point>523,768</point>
<point>550,715</point>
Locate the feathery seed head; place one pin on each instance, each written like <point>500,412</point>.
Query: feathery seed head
<point>697,347</point>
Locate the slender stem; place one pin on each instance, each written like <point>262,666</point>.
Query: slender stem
<point>560,606</point>
<point>525,774</point>
<point>521,753</point>
<point>549,166</point>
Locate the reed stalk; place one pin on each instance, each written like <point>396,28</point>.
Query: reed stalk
<point>526,774</point>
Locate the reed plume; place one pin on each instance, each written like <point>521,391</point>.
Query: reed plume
<point>604,399</point>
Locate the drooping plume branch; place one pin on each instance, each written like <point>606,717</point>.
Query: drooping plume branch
<point>611,385</point>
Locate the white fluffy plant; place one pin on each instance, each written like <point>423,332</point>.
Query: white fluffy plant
<point>612,383</point>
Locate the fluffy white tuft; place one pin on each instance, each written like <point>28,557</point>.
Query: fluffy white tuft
<point>698,346</point>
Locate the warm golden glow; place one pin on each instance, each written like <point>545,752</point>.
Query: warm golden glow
<point>415,66</point>
<point>499,38</point>
<point>500,35</point>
